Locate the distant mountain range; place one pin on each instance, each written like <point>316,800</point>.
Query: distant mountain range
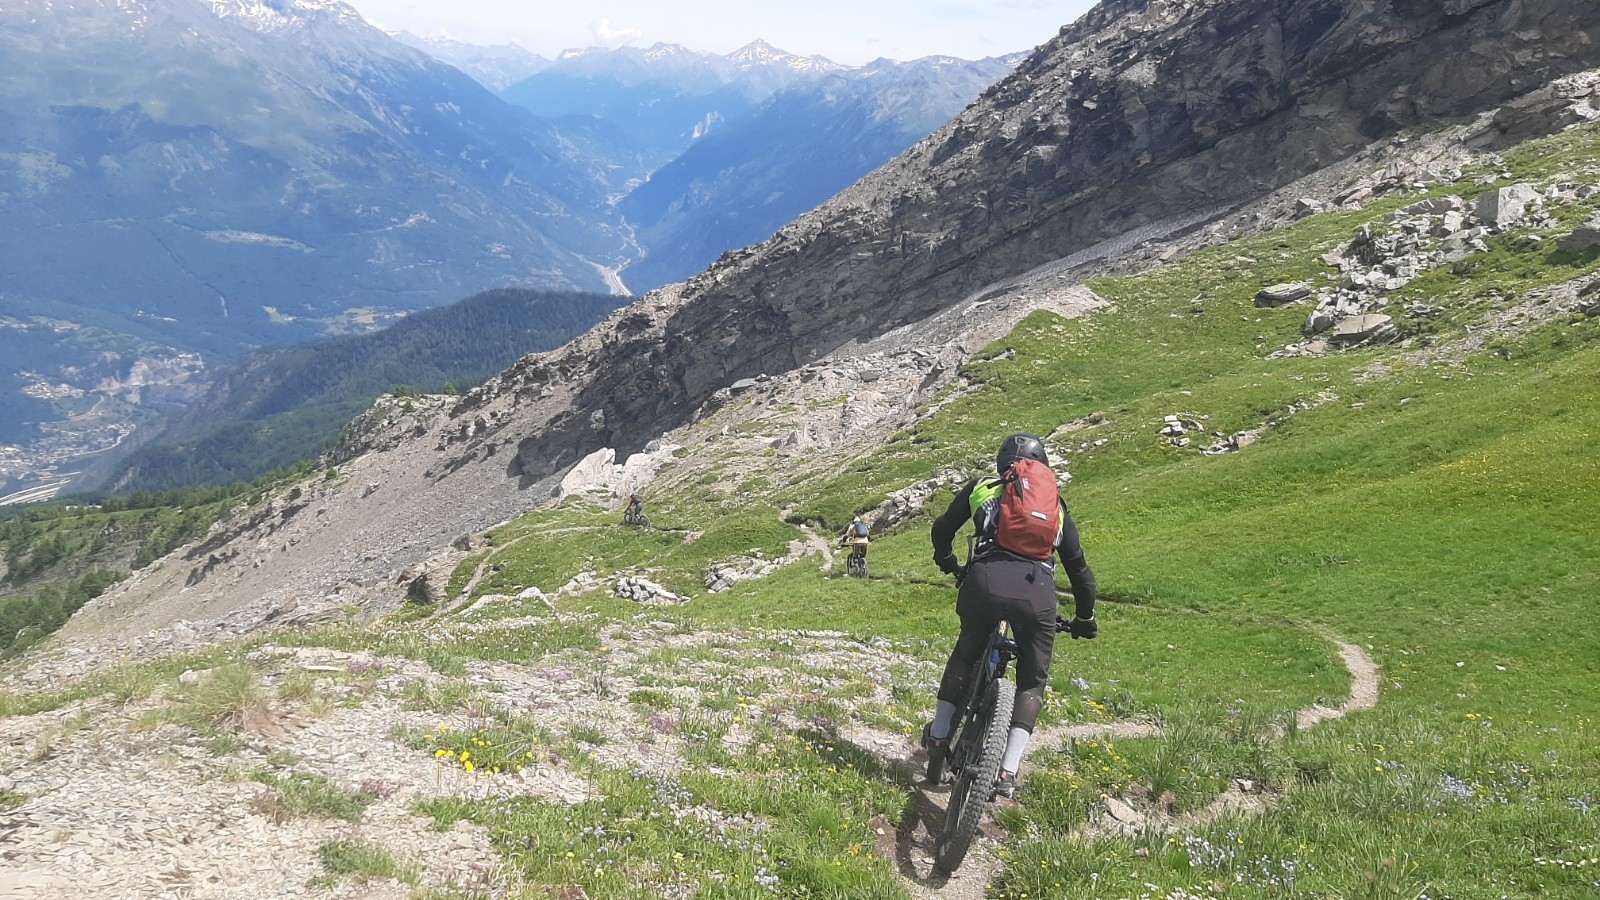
<point>245,165</point>
<point>738,185</point>
<point>184,180</point>
<point>200,177</point>
<point>496,68</point>
<point>664,97</point>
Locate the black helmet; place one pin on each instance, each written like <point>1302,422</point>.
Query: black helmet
<point>1019,446</point>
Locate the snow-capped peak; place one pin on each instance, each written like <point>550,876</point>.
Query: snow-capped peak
<point>664,51</point>
<point>271,15</point>
<point>760,54</point>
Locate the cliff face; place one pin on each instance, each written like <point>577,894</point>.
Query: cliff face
<point>1140,113</point>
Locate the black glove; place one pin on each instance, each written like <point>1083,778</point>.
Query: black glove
<point>1083,628</point>
<point>949,565</point>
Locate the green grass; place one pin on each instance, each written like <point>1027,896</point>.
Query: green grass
<point>800,814</point>
<point>308,794</point>
<point>364,862</point>
<point>220,698</point>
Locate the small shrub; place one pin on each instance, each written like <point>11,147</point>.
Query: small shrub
<point>224,744</point>
<point>307,794</point>
<point>501,748</point>
<point>652,699</point>
<point>365,861</point>
<point>225,697</point>
<point>587,734</point>
<point>284,759</point>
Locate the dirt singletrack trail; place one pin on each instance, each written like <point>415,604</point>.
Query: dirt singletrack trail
<point>919,825</point>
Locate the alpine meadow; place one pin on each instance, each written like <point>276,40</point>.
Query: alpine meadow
<point>1302,298</point>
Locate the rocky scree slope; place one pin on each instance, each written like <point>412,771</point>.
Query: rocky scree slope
<point>915,237</point>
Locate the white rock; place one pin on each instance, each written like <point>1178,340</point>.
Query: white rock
<point>1507,205</point>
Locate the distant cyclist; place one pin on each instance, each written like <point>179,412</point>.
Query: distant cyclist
<point>855,532</point>
<point>634,510</point>
<point>999,584</point>
<point>856,536</point>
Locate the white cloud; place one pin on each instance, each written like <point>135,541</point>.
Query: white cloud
<point>606,35</point>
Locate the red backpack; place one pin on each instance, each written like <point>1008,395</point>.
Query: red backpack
<point>1029,520</point>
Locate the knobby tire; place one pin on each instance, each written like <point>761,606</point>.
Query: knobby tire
<point>978,765</point>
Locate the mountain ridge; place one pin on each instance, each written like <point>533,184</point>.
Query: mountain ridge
<point>177,181</point>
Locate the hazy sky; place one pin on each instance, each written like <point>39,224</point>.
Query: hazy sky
<point>846,31</point>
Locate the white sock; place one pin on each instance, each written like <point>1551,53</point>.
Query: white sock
<point>942,717</point>
<point>1014,747</point>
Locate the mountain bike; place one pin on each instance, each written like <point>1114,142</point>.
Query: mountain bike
<point>634,516</point>
<point>856,565</point>
<point>977,743</point>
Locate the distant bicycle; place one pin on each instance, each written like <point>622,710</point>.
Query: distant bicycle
<point>856,566</point>
<point>635,517</point>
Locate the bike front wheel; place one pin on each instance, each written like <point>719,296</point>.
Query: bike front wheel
<point>975,777</point>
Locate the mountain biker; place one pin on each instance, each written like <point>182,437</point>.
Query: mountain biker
<point>998,585</point>
<point>856,532</point>
<point>635,505</point>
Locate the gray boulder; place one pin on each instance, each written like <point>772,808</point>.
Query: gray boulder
<point>1433,206</point>
<point>1307,206</point>
<point>1360,330</point>
<point>643,590</point>
<point>1283,294</point>
<point>1507,205</point>
<point>1586,237</point>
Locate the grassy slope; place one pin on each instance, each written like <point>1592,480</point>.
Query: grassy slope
<point>1441,516</point>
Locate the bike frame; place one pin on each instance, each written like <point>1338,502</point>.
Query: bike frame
<point>989,667</point>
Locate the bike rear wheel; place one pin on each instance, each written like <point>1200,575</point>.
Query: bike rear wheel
<point>977,765</point>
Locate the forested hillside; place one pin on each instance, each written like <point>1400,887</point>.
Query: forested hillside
<point>55,558</point>
<point>284,405</point>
